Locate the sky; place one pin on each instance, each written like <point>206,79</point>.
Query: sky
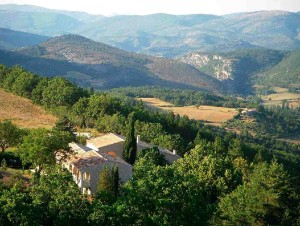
<point>142,7</point>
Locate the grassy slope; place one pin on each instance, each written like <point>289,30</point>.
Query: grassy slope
<point>23,112</point>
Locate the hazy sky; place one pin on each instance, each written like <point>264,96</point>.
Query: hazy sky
<point>111,7</point>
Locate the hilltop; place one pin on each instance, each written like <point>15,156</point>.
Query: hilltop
<point>22,112</point>
<point>90,63</point>
<point>285,74</point>
<point>235,69</point>
<point>163,34</point>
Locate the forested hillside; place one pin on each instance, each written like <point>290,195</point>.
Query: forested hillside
<point>285,74</point>
<point>223,178</point>
<point>93,64</point>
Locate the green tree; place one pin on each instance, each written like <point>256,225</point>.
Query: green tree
<point>115,123</point>
<point>102,104</point>
<point>80,110</point>
<point>130,146</point>
<point>11,77</point>
<point>3,73</point>
<point>263,199</point>
<point>148,131</point>
<point>37,92</point>
<point>215,173</point>
<point>10,135</point>
<point>60,92</point>
<point>235,149</point>
<point>64,124</point>
<point>57,199</point>
<point>115,180</point>
<point>16,208</point>
<point>161,196</point>
<point>25,84</point>
<point>153,155</point>
<point>43,148</point>
<point>105,181</point>
<point>171,142</point>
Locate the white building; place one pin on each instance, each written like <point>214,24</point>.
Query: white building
<point>106,150</point>
<point>86,166</point>
<point>114,142</point>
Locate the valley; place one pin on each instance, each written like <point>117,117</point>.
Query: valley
<point>210,115</point>
<point>279,96</point>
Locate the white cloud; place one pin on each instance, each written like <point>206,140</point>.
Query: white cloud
<point>109,7</point>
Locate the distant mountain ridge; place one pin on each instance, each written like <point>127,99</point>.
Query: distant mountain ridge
<point>10,39</point>
<point>163,34</point>
<point>90,63</point>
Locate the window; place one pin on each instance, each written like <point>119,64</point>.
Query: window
<point>87,176</point>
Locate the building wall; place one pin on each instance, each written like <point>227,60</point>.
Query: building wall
<point>125,173</point>
<point>116,147</point>
<point>169,157</point>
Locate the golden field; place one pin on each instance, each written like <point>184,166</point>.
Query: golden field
<point>281,94</point>
<point>23,112</point>
<point>212,115</point>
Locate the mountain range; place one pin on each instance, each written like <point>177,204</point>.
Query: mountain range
<point>163,34</point>
<point>93,64</point>
<point>228,53</point>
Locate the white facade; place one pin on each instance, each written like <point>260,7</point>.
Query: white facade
<point>106,150</point>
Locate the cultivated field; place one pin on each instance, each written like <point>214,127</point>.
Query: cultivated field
<point>23,112</point>
<point>210,114</point>
<point>295,139</point>
<point>281,94</point>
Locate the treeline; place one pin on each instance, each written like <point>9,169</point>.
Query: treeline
<point>223,179</point>
<point>184,97</point>
<point>273,121</point>
<point>50,92</point>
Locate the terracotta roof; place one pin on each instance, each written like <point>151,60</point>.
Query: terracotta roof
<point>112,153</point>
<point>83,159</point>
<point>87,159</point>
<point>113,158</point>
<point>105,140</point>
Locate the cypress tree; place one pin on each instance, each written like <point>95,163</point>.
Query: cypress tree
<point>105,181</point>
<point>115,180</point>
<point>130,147</point>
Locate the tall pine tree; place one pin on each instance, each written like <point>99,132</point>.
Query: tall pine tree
<point>130,147</point>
